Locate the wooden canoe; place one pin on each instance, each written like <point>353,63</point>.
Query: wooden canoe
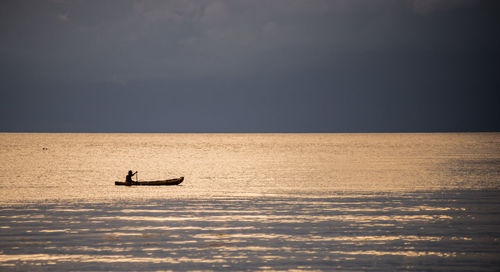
<point>176,181</point>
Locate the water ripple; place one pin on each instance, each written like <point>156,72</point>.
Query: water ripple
<point>220,234</point>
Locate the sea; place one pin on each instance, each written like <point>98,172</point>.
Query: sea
<point>250,202</point>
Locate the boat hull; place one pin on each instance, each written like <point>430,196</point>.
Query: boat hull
<point>176,181</point>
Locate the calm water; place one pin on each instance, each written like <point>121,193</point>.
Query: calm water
<point>251,202</point>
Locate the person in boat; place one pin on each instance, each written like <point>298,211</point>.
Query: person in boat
<point>129,176</point>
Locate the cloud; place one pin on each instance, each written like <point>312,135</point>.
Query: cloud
<point>431,6</point>
<point>126,40</point>
<point>63,17</point>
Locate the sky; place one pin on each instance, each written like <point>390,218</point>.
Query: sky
<point>249,66</point>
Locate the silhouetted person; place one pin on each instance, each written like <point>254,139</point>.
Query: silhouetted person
<point>129,176</point>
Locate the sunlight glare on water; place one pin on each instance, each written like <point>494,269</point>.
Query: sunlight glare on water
<point>85,166</point>
<point>251,202</point>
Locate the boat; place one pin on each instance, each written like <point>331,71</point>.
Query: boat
<point>175,181</point>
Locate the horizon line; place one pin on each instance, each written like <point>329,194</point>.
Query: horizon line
<point>248,132</point>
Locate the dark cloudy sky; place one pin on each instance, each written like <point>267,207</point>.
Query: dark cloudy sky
<point>250,66</point>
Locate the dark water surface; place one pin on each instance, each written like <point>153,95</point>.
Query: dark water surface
<point>382,202</point>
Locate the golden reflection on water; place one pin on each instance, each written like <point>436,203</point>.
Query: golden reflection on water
<point>44,258</point>
<point>249,202</point>
<point>255,232</point>
<point>52,167</point>
<point>401,253</point>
